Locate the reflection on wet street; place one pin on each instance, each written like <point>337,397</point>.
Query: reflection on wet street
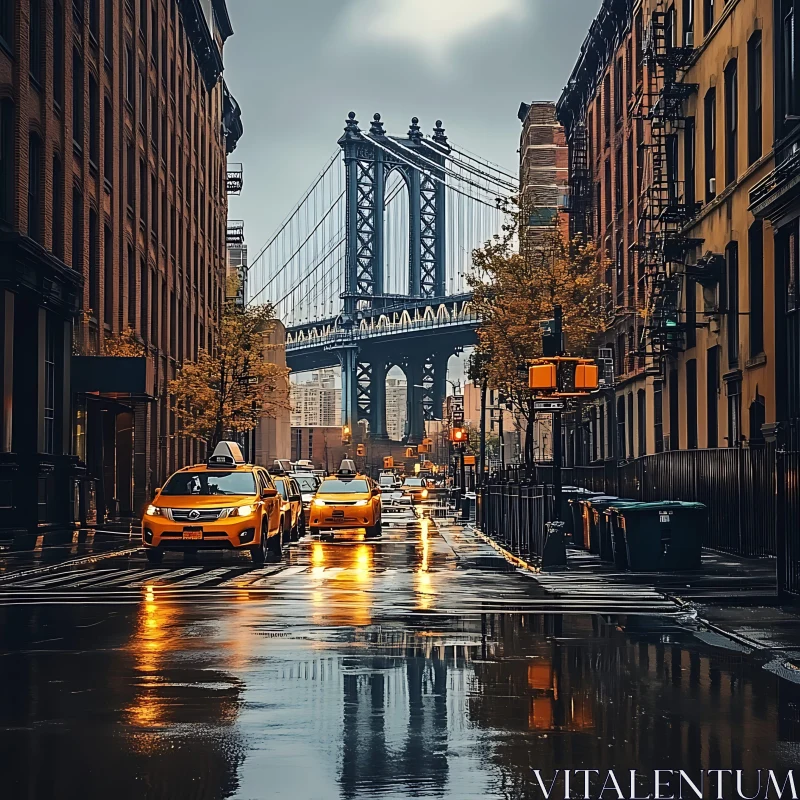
<point>378,670</point>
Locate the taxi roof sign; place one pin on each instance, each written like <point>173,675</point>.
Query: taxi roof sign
<point>347,468</point>
<point>226,454</point>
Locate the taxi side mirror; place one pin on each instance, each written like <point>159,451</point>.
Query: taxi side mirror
<point>377,490</point>
<point>269,493</point>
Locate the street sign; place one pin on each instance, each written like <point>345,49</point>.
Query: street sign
<point>549,405</point>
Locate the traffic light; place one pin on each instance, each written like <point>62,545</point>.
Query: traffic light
<point>361,450</point>
<point>346,438</point>
<point>423,448</point>
<point>458,435</point>
<point>542,377</point>
<point>428,442</point>
<point>567,377</point>
<point>587,378</point>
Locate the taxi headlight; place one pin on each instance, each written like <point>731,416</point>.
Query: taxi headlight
<point>317,502</point>
<point>153,511</point>
<point>362,503</point>
<point>241,511</point>
<point>424,492</point>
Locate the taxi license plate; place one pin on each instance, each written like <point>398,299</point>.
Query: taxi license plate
<point>192,533</point>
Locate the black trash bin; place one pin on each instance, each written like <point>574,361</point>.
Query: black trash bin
<point>599,531</point>
<point>616,532</point>
<point>663,536</point>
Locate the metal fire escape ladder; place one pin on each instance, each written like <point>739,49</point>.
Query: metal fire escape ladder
<point>662,245</point>
<point>580,186</point>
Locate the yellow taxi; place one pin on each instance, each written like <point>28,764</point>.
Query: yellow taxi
<point>346,501</point>
<point>224,504</point>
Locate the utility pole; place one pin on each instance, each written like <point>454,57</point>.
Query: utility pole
<point>559,338</point>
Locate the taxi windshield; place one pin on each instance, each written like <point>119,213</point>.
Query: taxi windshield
<point>414,482</point>
<point>281,487</point>
<point>308,483</point>
<point>210,483</point>
<point>344,487</point>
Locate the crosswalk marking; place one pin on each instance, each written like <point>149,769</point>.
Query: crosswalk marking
<point>286,573</point>
<point>196,580</point>
<point>104,579</point>
<point>247,578</point>
<point>166,575</point>
<point>37,583</point>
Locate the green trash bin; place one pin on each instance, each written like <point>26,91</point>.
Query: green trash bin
<point>663,536</point>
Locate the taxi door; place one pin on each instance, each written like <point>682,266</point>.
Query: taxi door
<point>272,507</point>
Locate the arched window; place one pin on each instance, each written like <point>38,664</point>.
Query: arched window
<point>35,210</point>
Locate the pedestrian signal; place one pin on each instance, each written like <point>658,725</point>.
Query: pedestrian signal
<point>410,452</point>
<point>423,448</point>
<point>388,462</point>
<point>361,450</point>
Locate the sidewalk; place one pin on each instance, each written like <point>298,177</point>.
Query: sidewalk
<point>85,547</point>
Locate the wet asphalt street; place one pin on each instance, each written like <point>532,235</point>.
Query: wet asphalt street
<point>390,669</point>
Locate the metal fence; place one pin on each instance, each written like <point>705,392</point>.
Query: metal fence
<point>737,485</point>
<point>514,514</point>
<point>788,510</point>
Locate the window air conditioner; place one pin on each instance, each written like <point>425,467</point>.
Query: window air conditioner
<point>689,38</point>
<point>712,185</point>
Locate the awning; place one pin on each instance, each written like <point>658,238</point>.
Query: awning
<point>113,376</point>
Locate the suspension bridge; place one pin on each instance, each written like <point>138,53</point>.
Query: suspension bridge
<point>369,270</point>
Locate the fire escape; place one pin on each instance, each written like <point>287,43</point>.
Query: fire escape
<point>580,184</point>
<point>663,246</point>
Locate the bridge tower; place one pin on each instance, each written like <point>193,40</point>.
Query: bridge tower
<point>369,159</point>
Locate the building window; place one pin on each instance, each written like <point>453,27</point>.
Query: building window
<point>108,27</point>
<point>674,402</point>
<point>35,43</point>
<point>621,428</point>
<point>688,23</point>
<point>143,18</point>
<point>58,53</point>
<point>108,276</point>
<point>142,190</point>
<point>77,98</point>
<point>154,306</point>
<point>607,108</point>
<point>130,177</point>
<point>631,448</point>
<point>142,101</point>
<point>788,76</point>
<point>108,141</point>
<point>756,287</point>
<point>641,403</point>
<point>758,416</point>
<point>734,391</point>
<point>691,404</point>
<point>708,16</point>
<point>50,379</point>
<point>7,22</point>
<point>58,208</point>
<point>754,98</point>
<point>153,204</point>
<point>130,71</point>
<point>672,167</point>
<point>94,19</point>
<point>658,416</point>
<point>710,133</point>
<point>143,298</point>
<point>732,301</point>
<point>712,391</point>
<point>94,121</point>
<point>618,91</point>
<point>731,122</point>
<point>690,289</point>
<point>35,188</point>
<point>77,230</point>
<point>154,121</point>
<point>639,35</point>
<point>689,164</point>
<point>131,288</point>
<point>94,265</point>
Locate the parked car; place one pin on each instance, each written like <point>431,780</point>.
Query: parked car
<point>308,483</point>
<point>416,489</point>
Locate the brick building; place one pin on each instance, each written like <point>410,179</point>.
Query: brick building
<point>543,168</point>
<point>114,130</point>
<point>668,114</point>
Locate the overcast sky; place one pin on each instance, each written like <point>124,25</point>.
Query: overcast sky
<point>298,66</point>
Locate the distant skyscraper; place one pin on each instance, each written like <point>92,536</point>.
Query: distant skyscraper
<point>396,412</point>
<point>316,403</point>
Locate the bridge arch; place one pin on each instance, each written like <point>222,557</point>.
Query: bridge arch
<point>397,232</point>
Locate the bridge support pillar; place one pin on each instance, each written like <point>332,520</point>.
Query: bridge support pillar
<point>439,388</point>
<point>348,358</point>
<point>377,423</point>
<point>414,401</point>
